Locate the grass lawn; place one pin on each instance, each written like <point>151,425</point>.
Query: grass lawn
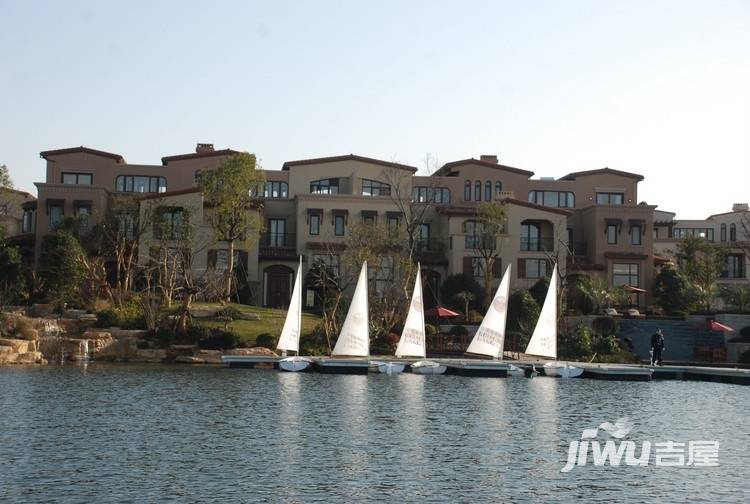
<point>271,321</point>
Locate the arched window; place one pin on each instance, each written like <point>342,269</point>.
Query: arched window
<point>498,188</point>
<point>467,190</point>
<point>478,190</point>
<point>732,232</point>
<point>723,232</point>
<point>488,191</point>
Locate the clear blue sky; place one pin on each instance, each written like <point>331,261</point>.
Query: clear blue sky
<point>661,88</point>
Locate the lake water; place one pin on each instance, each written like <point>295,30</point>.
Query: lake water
<point>134,433</point>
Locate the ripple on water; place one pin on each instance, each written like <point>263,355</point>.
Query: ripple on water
<point>193,434</point>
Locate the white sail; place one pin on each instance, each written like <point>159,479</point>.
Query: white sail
<point>544,340</point>
<point>354,339</point>
<point>289,339</point>
<point>490,337</point>
<point>412,342</point>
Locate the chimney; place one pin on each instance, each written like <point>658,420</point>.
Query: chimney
<point>202,148</point>
<point>739,207</point>
<point>488,158</point>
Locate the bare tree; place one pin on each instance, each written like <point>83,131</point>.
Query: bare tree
<point>486,240</point>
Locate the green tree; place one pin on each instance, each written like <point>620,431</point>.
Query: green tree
<point>736,297</point>
<point>672,291</point>
<point>12,278</point>
<point>60,267</point>
<point>701,261</point>
<point>230,208</point>
<point>5,180</point>
<point>465,297</point>
<point>523,312</point>
<point>539,290</point>
<point>453,284</point>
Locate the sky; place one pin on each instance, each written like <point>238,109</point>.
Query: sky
<point>660,88</point>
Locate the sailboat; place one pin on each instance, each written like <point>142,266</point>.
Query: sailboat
<point>413,338</point>
<point>354,340</point>
<point>544,339</point>
<point>290,333</point>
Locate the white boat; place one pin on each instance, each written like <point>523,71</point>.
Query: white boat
<point>413,338</point>
<point>516,371</point>
<point>489,339</point>
<point>543,341</point>
<point>427,367</point>
<point>290,333</point>
<point>562,370</point>
<point>390,368</point>
<point>354,338</point>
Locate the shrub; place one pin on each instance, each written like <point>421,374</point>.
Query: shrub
<point>458,330</point>
<point>430,330</point>
<point>577,297</point>
<point>673,291</point>
<point>219,339</point>
<point>606,344</point>
<point>24,329</point>
<point>130,316</point>
<point>266,340</point>
<point>163,337</point>
<point>475,317</point>
<point>523,312</point>
<point>745,357</point>
<point>539,290</point>
<point>605,326</point>
<point>229,312</point>
<point>582,343</point>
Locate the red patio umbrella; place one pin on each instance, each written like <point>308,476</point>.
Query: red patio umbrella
<point>630,288</point>
<point>441,312</point>
<point>718,326</point>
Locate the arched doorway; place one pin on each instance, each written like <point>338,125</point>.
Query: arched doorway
<point>278,286</point>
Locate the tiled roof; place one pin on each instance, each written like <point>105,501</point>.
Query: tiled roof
<point>448,167</point>
<point>601,171</point>
<point>196,155</point>
<point>347,157</point>
<point>84,150</point>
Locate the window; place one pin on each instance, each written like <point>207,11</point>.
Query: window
<point>635,234</point>
<point>314,224</point>
<point>467,190</point>
<point>325,186</point>
<point>330,262</point>
<point>275,189</point>
<point>384,274</point>
<point>171,225</point>
<point>625,274</point>
<point>558,199</point>
<point>27,224</point>
<point>478,191</point>
<point>393,223</point>
<point>723,232</point>
<point>609,198</point>
<point>732,233</point>
<point>475,236</point>
<point>734,266</point>
<point>422,237</point>
<point>77,178</point>
<point>126,226</point>
<point>437,195</point>
<point>612,234</point>
<point>375,188</point>
<point>369,217</point>
<point>498,188</point>
<point>277,232</point>
<point>707,233</point>
<point>83,212</point>
<point>531,237</point>
<point>655,231</point>
<point>55,215</point>
<point>488,191</point>
<point>140,184</point>
<point>339,223</point>
<point>477,267</point>
<point>536,268</point>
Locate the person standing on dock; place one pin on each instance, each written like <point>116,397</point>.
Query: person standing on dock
<point>657,346</point>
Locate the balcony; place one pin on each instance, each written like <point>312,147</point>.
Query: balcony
<point>430,251</point>
<point>529,244</point>
<point>479,242</point>
<point>277,246</point>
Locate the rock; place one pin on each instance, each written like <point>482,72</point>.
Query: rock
<point>186,359</point>
<point>127,333</point>
<point>18,345</point>
<point>73,314</point>
<point>4,349</point>
<point>249,316</point>
<point>88,317</point>
<point>210,356</point>
<point>252,351</point>
<point>203,312</point>
<point>8,358</point>
<point>42,310</point>
<point>30,358</point>
<point>95,334</point>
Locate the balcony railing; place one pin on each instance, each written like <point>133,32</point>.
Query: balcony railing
<point>480,242</point>
<point>529,244</point>
<point>277,245</point>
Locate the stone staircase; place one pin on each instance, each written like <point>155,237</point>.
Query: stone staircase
<point>682,338</point>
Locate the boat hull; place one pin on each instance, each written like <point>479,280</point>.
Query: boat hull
<point>390,368</point>
<point>294,364</point>
<point>428,368</point>
<point>562,370</point>
<point>342,366</point>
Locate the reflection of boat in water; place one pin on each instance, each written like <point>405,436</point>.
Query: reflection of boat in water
<point>543,341</point>
<point>289,339</point>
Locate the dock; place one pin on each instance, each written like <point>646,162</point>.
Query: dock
<point>737,376</point>
<point>621,372</point>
